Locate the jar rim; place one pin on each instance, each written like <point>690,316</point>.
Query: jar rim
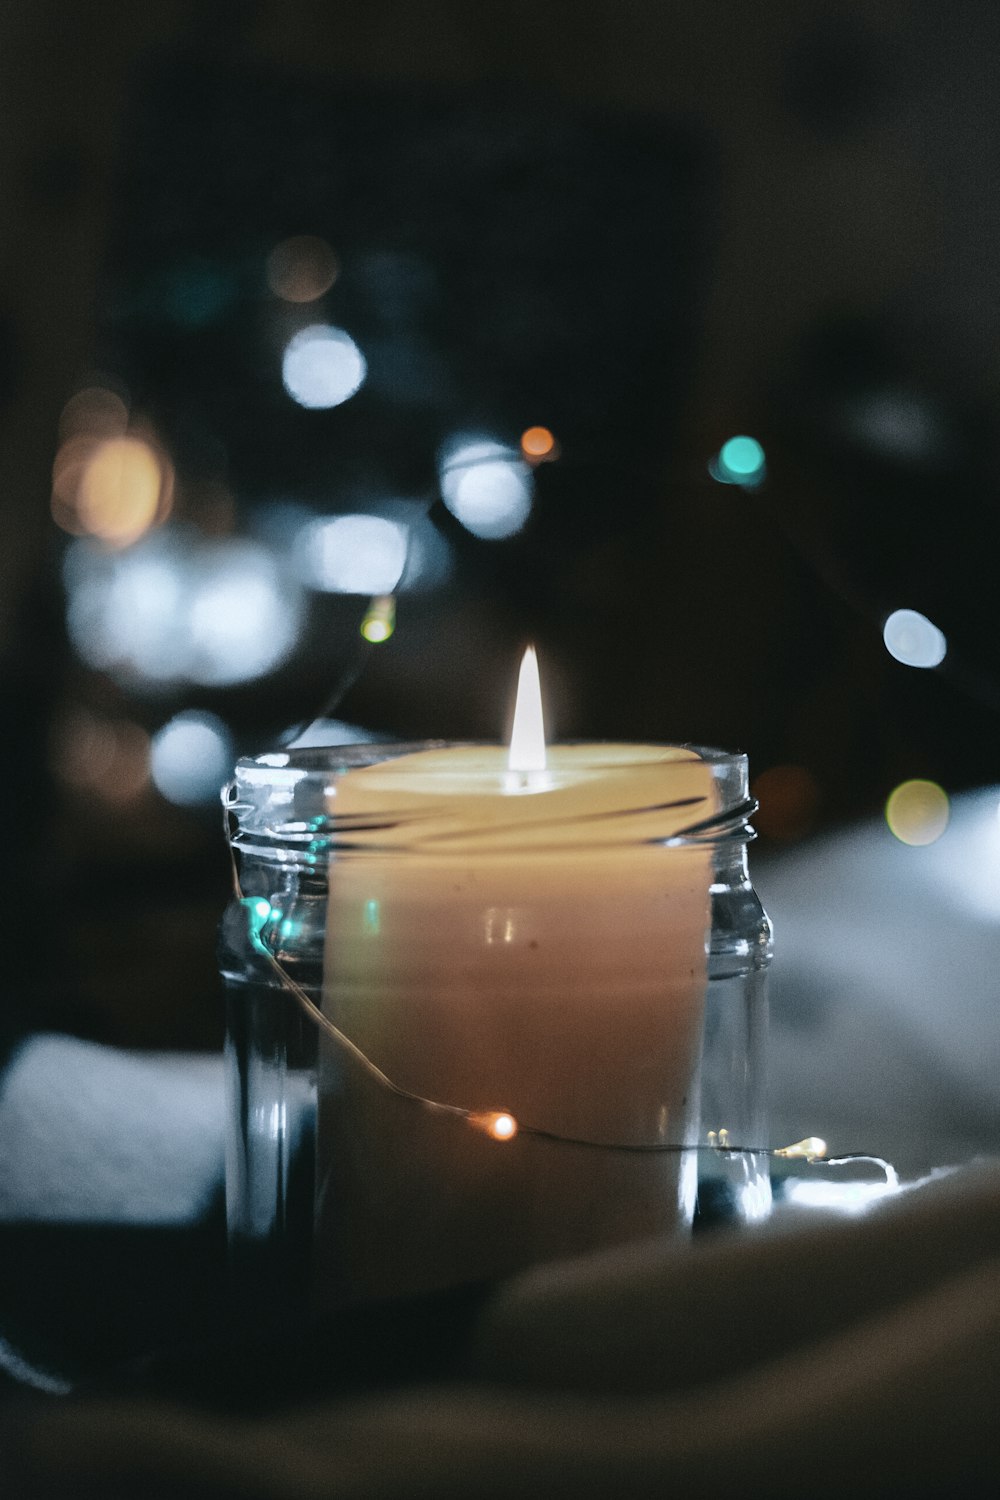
<point>281,799</point>
<point>324,759</point>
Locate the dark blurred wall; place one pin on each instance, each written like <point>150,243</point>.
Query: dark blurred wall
<point>849,282</point>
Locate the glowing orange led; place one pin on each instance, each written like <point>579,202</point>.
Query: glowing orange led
<point>538,444</point>
<point>496,1123</point>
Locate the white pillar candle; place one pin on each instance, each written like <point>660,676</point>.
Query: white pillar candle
<point>518,940</point>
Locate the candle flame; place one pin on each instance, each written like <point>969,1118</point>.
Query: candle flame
<point>527,740</point>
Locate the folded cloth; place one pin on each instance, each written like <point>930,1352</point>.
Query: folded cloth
<point>884,1032</point>
<point>98,1135</point>
<point>857,1357</point>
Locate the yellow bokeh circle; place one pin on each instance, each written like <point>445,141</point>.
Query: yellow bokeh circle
<point>917,812</point>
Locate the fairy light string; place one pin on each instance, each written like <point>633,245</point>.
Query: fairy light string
<point>501,1125</point>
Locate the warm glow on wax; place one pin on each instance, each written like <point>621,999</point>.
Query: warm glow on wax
<point>541,946</point>
<point>527,739</point>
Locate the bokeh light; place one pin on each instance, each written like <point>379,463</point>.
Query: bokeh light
<point>242,621</point>
<point>740,460</point>
<point>917,812</point>
<point>192,291</point>
<point>124,613</point>
<point>96,411</point>
<point>538,445</point>
<point>302,268</point>
<point>380,620</point>
<point>180,608</point>
<point>107,482</point>
<point>354,554</point>
<point>486,486</point>
<point>125,487</point>
<point>99,756</point>
<point>789,798</point>
<point>912,639</point>
<point>69,465</point>
<point>896,424</point>
<point>128,775</point>
<point>322,367</point>
<point>191,757</point>
<point>428,556</point>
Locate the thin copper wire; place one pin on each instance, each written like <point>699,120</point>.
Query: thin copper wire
<point>474,1117</point>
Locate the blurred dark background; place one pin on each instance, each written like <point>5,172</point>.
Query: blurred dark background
<point>321,324</point>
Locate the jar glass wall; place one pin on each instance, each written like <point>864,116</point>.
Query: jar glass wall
<point>393,1001</point>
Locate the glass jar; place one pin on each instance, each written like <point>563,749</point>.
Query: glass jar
<point>459,1044</point>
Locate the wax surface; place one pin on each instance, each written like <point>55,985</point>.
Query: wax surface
<point>525,943</point>
<point>595,793</point>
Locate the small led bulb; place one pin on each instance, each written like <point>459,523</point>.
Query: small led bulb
<point>812,1148</point>
<point>497,1124</point>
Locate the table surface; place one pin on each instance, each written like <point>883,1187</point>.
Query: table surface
<point>112,1235</point>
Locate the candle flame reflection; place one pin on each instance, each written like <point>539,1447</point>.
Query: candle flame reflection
<point>527,740</point>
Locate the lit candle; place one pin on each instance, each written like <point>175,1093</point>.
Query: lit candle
<point>510,933</point>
